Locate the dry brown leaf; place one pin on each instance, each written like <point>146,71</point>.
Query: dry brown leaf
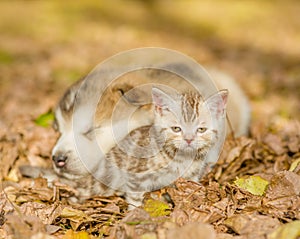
<point>192,231</point>
<point>294,143</point>
<point>41,235</point>
<point>283,194</point>
<point>252,225</point>
<point>229,236</point>
<point>136,222</point>
<point>23,227</point>
<point>45,212</point>
<point>275,143</point>
<point>9,154</point>
<point>181,217</point>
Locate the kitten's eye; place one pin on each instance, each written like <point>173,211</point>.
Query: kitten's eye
<point>201,130</point>
<point>176,129</point>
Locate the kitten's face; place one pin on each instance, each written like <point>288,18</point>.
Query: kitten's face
<point>187,121</point>
<point>186,135</point>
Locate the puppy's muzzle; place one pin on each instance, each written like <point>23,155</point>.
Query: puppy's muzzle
<point>59,160</point>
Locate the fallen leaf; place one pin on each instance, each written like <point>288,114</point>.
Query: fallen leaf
<point>275,143</point>
<point>254,184</point>
<point>226,236</point>
<point>294,164</point>
<point>194,230</point>
<point>282,195</point>
<point>156,208</point>
<point>41,235</point>
<point>50,229</point>
<point>45,120</point>
<point>135,219</point>
<point>282,184</point>
<point>23,226</point>
<point>252,225</point>
<point>76,217</point>
<point>73,214</point>
<point>290,230</point>
<point>294,144</point>
<point>47,213</point>
<point>13,175</point>
<point>9,155</point>
<point>149,236</point>
<point>181,217</point>
<point>70,234</point>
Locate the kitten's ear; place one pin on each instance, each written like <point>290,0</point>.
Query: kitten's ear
<point>161,100</point>
<point>217,103</point>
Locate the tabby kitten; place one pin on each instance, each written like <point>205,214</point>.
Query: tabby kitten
<point>185,129</point>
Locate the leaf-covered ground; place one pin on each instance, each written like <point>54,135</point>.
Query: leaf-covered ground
<point>253,192</point>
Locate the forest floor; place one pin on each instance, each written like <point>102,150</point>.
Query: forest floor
<point>253,191</point>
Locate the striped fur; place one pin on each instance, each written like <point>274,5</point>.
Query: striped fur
<point>153,156</point>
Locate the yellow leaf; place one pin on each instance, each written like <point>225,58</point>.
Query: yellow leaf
<point>156,208</point>
<point>254,184</point>
<point>73,214</point>
<point>294,164</point>
<point>13,175</point>
<point>290,230</point>
<point>70,234</point>
<point>149,236</point>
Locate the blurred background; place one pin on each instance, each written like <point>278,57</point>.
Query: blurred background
<point>47,45</point>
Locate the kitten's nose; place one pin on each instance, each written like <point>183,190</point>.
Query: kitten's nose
<point>189,141</point>
<point>60,160</point>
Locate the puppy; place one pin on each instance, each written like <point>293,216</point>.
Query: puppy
<point>124,104</point>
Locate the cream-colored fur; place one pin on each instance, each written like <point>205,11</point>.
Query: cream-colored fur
<point>238,110</point>
<point>123,106</point>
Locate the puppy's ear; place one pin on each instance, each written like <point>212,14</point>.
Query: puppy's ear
<point>55,125</point>
<point>68,99</point>
<point>135,95</point>
<point>163,102</point>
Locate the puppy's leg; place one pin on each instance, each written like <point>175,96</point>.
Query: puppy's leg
<point>35,172</point>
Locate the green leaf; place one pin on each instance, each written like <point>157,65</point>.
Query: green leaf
<point>45,120</point>
<point>254,184</point>
<point>156,208</point>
